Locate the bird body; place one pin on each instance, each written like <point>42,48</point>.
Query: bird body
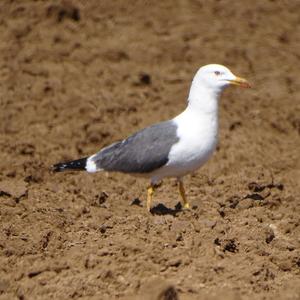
<point>172,148</point>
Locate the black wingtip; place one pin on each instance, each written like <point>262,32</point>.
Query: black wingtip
<point>78,165</point>
<point>58,167</point>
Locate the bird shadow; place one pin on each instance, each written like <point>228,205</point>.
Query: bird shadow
<point>161,210</point>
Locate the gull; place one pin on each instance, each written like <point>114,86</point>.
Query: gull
<point>172,148</point>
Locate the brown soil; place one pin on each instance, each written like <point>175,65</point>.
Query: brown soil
<point>76,76</point>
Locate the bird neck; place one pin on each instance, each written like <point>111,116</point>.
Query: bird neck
<point>203,100</point>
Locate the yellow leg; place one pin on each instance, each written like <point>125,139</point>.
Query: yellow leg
<point>186,205</point>
<point>150,191</point>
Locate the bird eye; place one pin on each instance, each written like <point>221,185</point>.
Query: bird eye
<point>217,73</point>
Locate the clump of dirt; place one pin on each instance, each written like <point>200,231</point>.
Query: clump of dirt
<point>78,75</point>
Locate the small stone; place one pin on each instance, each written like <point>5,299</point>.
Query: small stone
<point>100,199</point>
<point>179,237</point>
<point>85,210</point>
<point>145,78</point>
<point>121,279</point>
<point>277,216</point>
<point>103,228</point>
<point>246,204</point>
<point>231,246</point>
<point>210,223</point>
<point>103,252</point>
<point>91,261</point>
<point>270,235</point>
<point>13,188</point>
<point>174,262</point>
<point>285,265</point>
<point>106,274</point>
<point>35,272</point>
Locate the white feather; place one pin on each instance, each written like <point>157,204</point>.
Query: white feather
<point>91,167</point>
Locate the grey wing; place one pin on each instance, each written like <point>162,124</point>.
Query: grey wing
<point>142,152</point>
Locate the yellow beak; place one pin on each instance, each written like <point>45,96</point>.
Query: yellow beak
<point>240,82</point>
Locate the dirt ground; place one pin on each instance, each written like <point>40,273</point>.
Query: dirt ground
<point>76,76</point>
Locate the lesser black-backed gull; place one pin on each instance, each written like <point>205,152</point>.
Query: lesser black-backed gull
<point>172,148</point>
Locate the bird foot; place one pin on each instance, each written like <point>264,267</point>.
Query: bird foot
<point>186,206</point>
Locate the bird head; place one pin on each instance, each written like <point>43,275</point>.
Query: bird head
<point>218,77</point>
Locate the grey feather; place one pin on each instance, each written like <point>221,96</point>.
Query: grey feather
<point>142,152</point>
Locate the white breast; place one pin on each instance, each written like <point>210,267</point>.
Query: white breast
<point>198,135</point>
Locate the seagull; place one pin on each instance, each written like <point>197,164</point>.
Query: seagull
<point>172,148</point>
